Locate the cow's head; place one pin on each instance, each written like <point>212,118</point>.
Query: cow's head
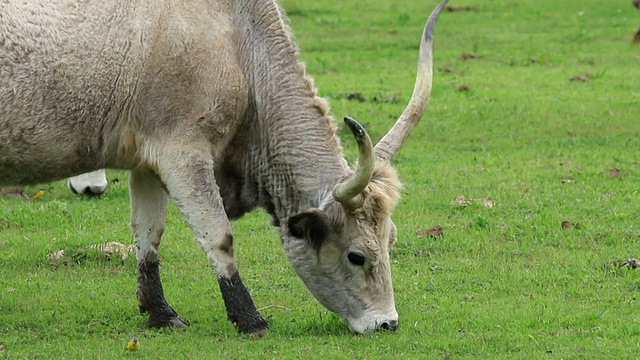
<point>341,249</point>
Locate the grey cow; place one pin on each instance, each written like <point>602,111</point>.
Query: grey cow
<point>206,103</point>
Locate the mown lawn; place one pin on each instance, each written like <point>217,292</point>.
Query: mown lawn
<point>506,129</point>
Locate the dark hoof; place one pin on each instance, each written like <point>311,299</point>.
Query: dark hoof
<point>178,323</point>
<point>256,326</point>
<point>162,321</point>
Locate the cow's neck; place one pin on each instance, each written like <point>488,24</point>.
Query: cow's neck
<point>293,153</point>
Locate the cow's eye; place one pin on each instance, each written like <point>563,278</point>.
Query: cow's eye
<point>356,258</point>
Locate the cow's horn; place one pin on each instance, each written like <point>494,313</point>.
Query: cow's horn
<point>386,148</point>
<point>347,192</point>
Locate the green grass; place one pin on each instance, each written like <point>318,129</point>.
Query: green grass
<point>502,282</point>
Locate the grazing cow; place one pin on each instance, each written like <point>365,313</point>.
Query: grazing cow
<point>206,103</point>
<point>92,183</point>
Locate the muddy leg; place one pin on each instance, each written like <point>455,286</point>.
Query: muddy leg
<point>192,186</point>
<point>148,215</point>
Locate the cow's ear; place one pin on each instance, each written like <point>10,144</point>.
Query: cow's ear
<point>312,225</point>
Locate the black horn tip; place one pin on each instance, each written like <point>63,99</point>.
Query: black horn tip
<point>428,33</point>
<point>355,127</point>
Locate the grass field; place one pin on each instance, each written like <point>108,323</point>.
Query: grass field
<point>506,281</point>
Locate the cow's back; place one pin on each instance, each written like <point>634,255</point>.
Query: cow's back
<point>78,77</point>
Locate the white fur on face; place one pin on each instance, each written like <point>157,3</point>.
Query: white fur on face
<point>94,183</point>
<point>361,295</point>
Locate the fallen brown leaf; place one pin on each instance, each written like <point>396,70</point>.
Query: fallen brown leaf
<point>463,87</point>
<point>581,77</point>
<point>614,172</point>
<point>636,37</point>
<point>355,96</point>
<point>453,8</point>
<point>568,224</point>
<point>445,69</point>
<point>433,232</point>
<point>469,56</point>
<point>390,98</point>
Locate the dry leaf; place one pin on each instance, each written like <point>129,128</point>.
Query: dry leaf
<point>463,87</point>
<point>469,56</point>
<point>568,224</point>
<point>614,172</point>
<point>582,77</point>
<point>390,98</point>
<point>445,69</point>
<point>355,96</point>
<point>568,181</point>
<point>433,232</point>
<point>462,201</point>
<point>453,8</point>
<point>487,202</point>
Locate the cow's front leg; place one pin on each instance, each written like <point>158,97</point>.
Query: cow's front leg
<point>191,184</point>
<point>148,215</point>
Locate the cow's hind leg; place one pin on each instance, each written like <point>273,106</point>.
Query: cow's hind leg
<point>148,215</point>
<point>190,181</point>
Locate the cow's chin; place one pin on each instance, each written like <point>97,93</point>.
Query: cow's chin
<point>333,291</point>
<point>369,323</point>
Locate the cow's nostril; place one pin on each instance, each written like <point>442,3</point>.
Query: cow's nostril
<point>389,325</point>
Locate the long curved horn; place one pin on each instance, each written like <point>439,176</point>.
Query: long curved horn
<point>347,192</point>
<point>386,148</point>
